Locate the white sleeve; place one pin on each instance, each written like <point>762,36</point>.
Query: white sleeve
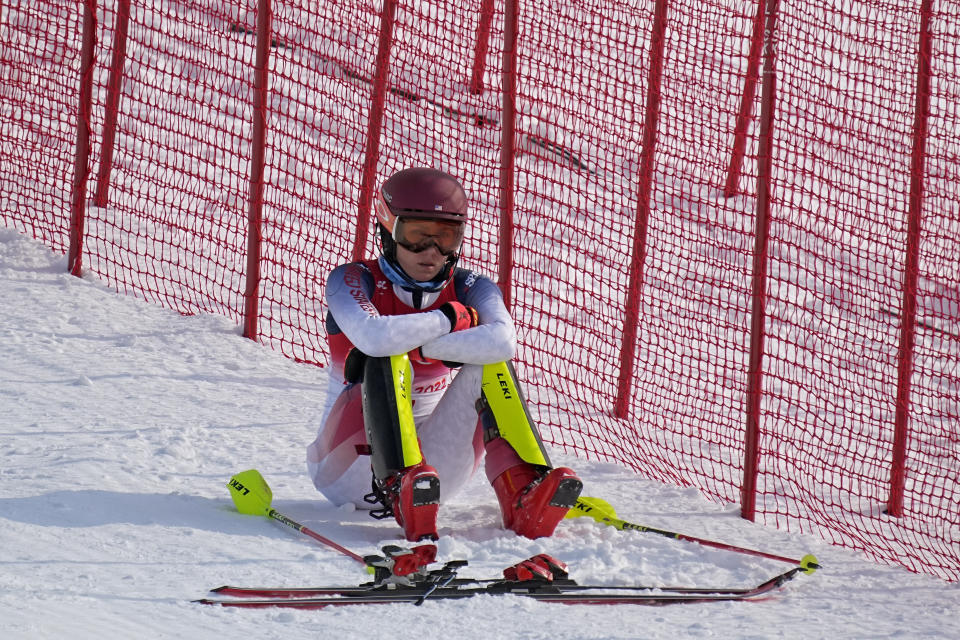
<point>348,299</point>
<point>494,340</point>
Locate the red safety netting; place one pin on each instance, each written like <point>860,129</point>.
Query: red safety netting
<point>847,112</point>
<point>633,221</point>
<point>40,89</point>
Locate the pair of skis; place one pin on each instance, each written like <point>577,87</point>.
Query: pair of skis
<point>443,584</point>
<point>403,577</point>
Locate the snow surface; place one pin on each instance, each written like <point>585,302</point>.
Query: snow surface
<point>122,422</point>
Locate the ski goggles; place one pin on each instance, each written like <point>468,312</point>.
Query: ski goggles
<point>419,234</point>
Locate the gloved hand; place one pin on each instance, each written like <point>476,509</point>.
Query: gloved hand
<point>460,315</point>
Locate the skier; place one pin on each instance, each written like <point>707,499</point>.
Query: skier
<point>421,379</point>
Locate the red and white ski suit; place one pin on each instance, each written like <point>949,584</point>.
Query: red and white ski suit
<point>380,318</point>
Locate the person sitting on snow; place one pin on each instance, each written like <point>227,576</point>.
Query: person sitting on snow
<point>421,379</point>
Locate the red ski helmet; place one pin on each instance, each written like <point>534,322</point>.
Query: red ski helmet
<point>420,192</point>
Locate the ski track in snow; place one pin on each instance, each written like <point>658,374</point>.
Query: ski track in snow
<point>122,422</point>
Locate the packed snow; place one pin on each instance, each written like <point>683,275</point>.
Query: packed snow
<point>122,423</point>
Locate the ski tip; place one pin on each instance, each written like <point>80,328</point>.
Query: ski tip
<point>220,588</point>
<point>809,563</point>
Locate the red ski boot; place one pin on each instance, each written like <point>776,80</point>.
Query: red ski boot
<point>416,501</point>
<point>533,501</point>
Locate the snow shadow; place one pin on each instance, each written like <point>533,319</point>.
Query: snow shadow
<point>93,508</point>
